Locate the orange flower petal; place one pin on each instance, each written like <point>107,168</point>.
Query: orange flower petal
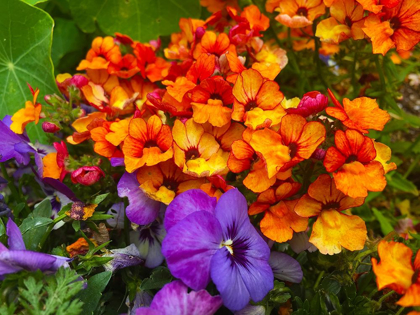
<point>411,297</point>
<point>51,168</point>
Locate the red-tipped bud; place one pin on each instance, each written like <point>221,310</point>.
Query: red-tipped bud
<point>50,127</point>
<point>87,175</point>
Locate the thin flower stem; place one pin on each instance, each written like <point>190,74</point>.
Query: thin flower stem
<point>49,229</point>
<point>10,183</point>
<point>380,72</point>
<point>318,280</point>
<point>400,311</point>
<point>384,297</point>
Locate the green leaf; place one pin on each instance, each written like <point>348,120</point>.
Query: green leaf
<point>25,45</point>
<point>397,181</point>
<point>159,277</point>
<point>100,216</point>
<point>33,2</point>
<point>76,225</point>
<point>143,20</point>
<point>67,38</point>
<point>33,229</point>
<point>98,199</point>
<point>92,294</point>
<point>43,209</point>
<point>386,227</point>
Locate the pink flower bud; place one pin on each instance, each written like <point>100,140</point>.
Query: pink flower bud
<point>87,175</point>
<point>310,104</point>
<point>50,127</point>
<point>319,154</point>
<point>199,32</point>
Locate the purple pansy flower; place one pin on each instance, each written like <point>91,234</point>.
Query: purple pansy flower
<point>123,258</point>
<point>174,298</point>
<point>142,210</point>
<point>148,240</point>
<point>17,258</point>
<point>215,240</point>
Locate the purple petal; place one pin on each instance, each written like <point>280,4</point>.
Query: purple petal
<point>300,242</point>
<point>232,212</point>
<point>117,162</point>
<point>28,260</point>
<point>7,268</point>
<point>117,210</point>
<point>123,258</point>
<point>15,240</point>
<point>141,210</point>
<point>247,269</point>
<point>13,146</point>
<point>59,186</point>
<point>186,203</point>
<point>175,299</point>
<point>147,311</point>
<point>285,267</point>
<point>149,242</point>
<point>60,261</point>
<point>189,246</point>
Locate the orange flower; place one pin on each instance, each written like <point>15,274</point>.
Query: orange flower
<point>197,152</point>
<point>83,126</point>
<point>80,247</point>
<point>202,68</point>
<point>353,162</point>
<point>103,52</point>
<point>396,271</point>
<point>280,220</point>
<point>396,27</point>
<point>126,68</point>
<point>257,21</point>
<point>214,6</point>
<point>102,146</point>
<point>164,181</point>
<point>30,113</point>
<point>376,6</point>
<point>332,229</point>
<point>242,154</point>
<point>147,143</point>
<point>383,155</point>
<point>360,114</point>
<point>347,20</point>
<point>257,101</point>
<point>216,186</point>
<point>178,88</point>
<point>213,44</point>
<point>271,60</point>
<point>299,13</point>
<point>296,140</point>
<point>210,100</point>
<point>54,164</point>
<point>226,135</point>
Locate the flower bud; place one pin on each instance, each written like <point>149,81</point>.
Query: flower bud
<point>87,175</point>
<point>50,127</point>
<point>310,104</point>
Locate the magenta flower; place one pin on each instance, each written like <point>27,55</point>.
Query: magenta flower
<point>310,104</point>
<point>215,240</point>
<point>17,258</point>
<point>174,298</point>
<point>87,175</point>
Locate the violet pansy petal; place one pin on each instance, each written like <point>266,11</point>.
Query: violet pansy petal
<point>141,210</point>
<point>186,203</point>
<point>285,268</point>
<point>15,240</point>
<point>28,260</point>
<point>228,280</point>
<point>175,299</point>
<point>117,162</point>
<point>147,311</point>
<point>232,212</point>
<point>189,246</point>
<point>7,268</point>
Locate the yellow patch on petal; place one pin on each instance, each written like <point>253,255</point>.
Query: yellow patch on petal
<point>330,31</point>
<point>334,230</point>
<point>383,155</point>
<point>259,118</point>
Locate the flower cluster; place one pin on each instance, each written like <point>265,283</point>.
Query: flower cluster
<point>221,171</point>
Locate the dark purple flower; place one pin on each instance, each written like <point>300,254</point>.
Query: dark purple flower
<point>148,240</point>
<point>174,298</point>
<point>17,258</point>
<point>142,299</point>
<point>4,208</point>
<point>141,209</point>
<point>123,258</point>
<point>208,240</point>
<point>300,242</point>
<point>285,268</point>
<point>310,104</point>
<point>252,310</point>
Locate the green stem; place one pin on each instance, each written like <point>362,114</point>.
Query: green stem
<point>10,182</point>
<point>384,297</point>
<point>412,166</point>
<point>380,72</point>
<point>49,229</point>
<point>318,280</point>
<point>400,311</point>
<point>358,259</point>
<point>317,59</point>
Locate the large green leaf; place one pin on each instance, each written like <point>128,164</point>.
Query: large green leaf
<point>143,20</point>
<point>25,46</point>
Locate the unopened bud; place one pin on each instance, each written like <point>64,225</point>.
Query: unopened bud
<point>50,127</point>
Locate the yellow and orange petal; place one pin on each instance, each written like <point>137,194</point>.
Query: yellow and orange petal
<point>361,114</point>
<point>394,271</point>
<point>26,115</point>
<point>330,31</point>
<point>81,246</point>
<point>280,221</point>
<point>103,52</point>
<point>50,166</point>
<point>383,155</point>
<point>268,146</point>
<point>102,146</point>
<point>334,230</point>
<point>257,179</point>
<point>299,13</point>
<point>148,143</point>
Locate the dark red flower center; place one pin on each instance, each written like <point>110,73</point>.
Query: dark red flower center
<point>250,106</point>
<point>348,21</point>
<point>302,11</point>
<point>192,154</point>
<point>331,205</point>
<point>395,23</point>
<point>293,147</point>
<point>150,144</point>
<point>351,158</point>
